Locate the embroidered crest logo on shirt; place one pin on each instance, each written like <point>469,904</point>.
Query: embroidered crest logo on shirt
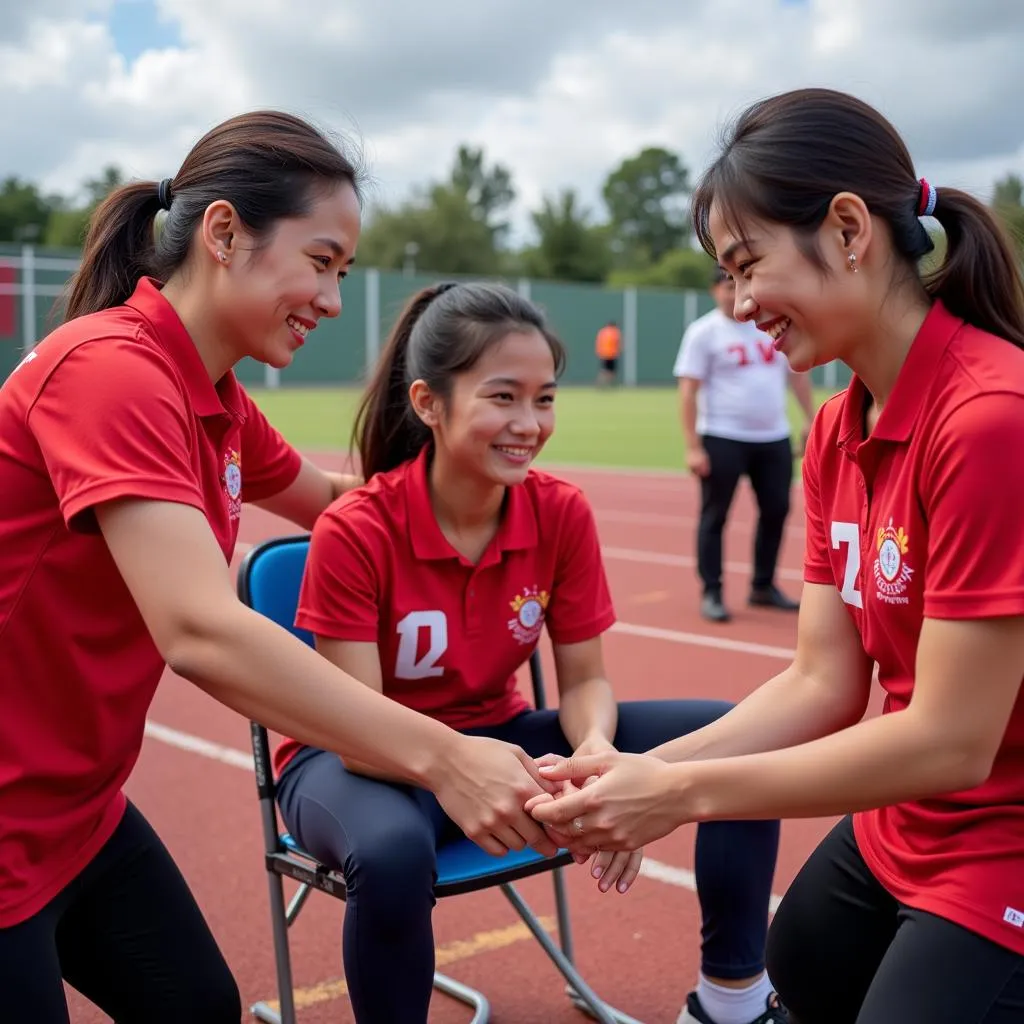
<point>233,482</point>
<point>892,574</point>
<point>529,607</point>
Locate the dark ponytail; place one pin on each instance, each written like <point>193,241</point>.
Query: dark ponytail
<point>386,431</point>
<point>788,156</point>
<point>980,279</point>
<point>269,165</point>
<point>441,333</point>
<point>119,249</point>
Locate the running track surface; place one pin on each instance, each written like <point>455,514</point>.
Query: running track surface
<point>639,950</point>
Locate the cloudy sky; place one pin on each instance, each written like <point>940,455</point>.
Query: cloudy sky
<point>558,90</point>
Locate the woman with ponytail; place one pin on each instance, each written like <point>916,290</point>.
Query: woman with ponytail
<point>911,911</point>
<point>432,585</point>
<point>127,447</point>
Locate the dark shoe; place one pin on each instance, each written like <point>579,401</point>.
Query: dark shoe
<point>712,609</point>
<point>694,1013</point>
<point>772,597</point>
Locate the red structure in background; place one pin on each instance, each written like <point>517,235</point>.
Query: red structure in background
<point>8,328</point>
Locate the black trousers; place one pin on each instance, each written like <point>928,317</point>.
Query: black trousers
<point>128,935</point>
<point>841,950</point>
<point>769,466</point>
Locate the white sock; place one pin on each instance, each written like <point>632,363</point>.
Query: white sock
<point>734,1005</point>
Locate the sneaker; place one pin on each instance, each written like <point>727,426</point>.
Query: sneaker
<point>694,1013</point>
<point>772,597</point>
<point>712,608</point>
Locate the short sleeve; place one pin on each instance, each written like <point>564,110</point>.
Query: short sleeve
<point>340,593</point>
<point>269,463</point>
<point>581,605</point>
<point>693,359</point>
<point>817,566</point>
<point>972,491</point>
<point>111,422</point>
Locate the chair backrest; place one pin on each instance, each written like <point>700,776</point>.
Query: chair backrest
<point>269,579</point>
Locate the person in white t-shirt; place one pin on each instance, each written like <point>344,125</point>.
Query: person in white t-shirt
<point>732,386</point>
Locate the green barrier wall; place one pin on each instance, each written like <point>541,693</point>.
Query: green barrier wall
<point>336,352</point>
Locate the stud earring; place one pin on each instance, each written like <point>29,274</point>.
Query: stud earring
<point>222,257</point>
<point>851,261</point>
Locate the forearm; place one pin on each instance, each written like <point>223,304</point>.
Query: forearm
<point>789,709</point>
<point>878,762</point>
<point>688,416</point>
<point>362,768</point>
<point>266,674</point>
<point>588,710</point>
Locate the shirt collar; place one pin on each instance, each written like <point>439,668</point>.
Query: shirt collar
<point>897,419</point>
<point>517,530</point>
<point>169,332</point>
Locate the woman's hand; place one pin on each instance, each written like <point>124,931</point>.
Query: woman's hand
<point>594,743</point>
<point>484,786</point>
<point>618,802</point>
<point>609,868</point>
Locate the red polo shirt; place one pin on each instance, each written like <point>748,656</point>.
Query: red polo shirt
<point>452,634</point>
<point>112,405</point>
<point>923,519</point>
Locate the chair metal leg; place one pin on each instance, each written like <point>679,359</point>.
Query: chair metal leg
<point>465,994</point>
<point>582,995</point>
<point>297,901</point>
<point>282,959</point>
<point>565,940</point>
<point>616,1015</point>
<point>562,910</point>
<point>264,1013</point>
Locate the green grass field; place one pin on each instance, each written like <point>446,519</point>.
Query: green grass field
<point>628,427</point>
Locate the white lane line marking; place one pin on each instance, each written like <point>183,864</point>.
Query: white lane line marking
<point>720,643</point>
<point>685,561</point>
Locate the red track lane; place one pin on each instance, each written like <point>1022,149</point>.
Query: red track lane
<point>641,950</point>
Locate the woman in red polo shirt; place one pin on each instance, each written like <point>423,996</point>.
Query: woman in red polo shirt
<point>127,447</point>
<point>912,910</point>
<point>432,584</point>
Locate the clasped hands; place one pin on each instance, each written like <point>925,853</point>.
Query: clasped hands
<point>602,806</point>
<point>610,804</point>
<point>598,803</point>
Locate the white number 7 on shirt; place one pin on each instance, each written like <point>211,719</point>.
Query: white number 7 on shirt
<point>407,665</point>
<point>849,534</point>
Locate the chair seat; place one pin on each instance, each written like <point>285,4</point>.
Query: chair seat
<point>458,861</point>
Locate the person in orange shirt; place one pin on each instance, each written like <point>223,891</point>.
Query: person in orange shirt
<point>607,346</point>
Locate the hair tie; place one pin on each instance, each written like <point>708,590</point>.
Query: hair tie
<point>927,199</point>
<point>163,193</point>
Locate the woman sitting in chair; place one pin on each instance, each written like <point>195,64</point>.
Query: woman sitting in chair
<point>432,583</point>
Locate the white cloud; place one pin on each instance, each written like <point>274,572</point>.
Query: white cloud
<point>558,91</point>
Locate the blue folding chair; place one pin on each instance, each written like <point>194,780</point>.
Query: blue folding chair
<point>268,582</point>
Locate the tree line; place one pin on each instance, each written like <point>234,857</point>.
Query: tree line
<point>459,224</point>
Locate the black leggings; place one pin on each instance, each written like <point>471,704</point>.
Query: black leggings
<point>128,935</point>
<point>383,837</point>
<point>841,950</point>
<point>769,465</point>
